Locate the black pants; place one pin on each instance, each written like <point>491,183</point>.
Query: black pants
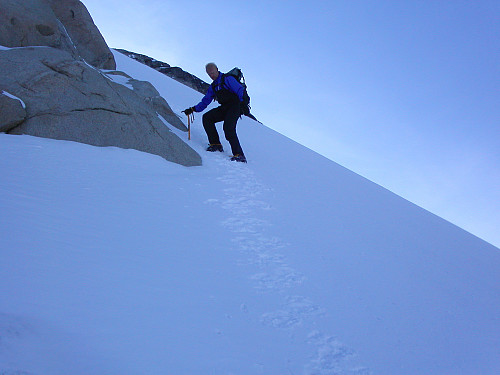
<point>229,114</point>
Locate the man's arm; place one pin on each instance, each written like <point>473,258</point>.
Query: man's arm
<point>207,99</point>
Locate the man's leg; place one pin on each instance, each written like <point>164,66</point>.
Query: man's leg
<point>232,116</point>
<point>209,120</point>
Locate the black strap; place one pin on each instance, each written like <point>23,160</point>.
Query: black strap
<point>222,80</point>
<point>214,85</point>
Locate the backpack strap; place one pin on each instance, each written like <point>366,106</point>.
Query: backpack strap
<point>221,84</point>
<point>213,85</point>
<point>222,80</point>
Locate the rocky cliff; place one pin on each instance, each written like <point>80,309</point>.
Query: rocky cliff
<point>52,84</point>
<point>172,71</point>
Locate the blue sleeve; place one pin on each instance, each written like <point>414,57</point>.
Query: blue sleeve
<point>207,99</point>
<point>235,86</point>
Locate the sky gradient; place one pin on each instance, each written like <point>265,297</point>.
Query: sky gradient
<point>404,93</point>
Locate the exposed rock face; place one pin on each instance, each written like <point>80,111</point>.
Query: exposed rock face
<point>63,97</point>
<point>61,24</point>
<point>152,97</point>
<point>84,33</point>
<point>147,91</point>
<point>67,99</point>
<point>12,112</point>
<point>173,72</point>
<point>32,23</point>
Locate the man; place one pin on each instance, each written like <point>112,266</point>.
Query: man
<point>229,93</point>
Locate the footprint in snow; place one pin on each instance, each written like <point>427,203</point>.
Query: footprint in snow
<point>242,191</point>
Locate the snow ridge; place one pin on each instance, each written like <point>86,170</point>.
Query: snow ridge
<point>243,200</point>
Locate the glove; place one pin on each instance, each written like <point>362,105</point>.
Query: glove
<point>244,109</point>
<point>188,111</point>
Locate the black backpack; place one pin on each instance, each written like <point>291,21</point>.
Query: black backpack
<point>238,75</point>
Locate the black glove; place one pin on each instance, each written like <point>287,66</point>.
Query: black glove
<point>244,109</point>
<point>188,111</point>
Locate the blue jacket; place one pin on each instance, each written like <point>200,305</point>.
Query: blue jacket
<point>229,82</point>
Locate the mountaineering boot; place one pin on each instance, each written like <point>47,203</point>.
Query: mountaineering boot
<point>239,157</point>
<point>214,148</point>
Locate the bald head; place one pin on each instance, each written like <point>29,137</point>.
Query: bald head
<point>212,70</point>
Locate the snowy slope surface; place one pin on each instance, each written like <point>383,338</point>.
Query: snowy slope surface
<point>117,262</point>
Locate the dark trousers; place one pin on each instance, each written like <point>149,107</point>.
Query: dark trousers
<point>229,114</point>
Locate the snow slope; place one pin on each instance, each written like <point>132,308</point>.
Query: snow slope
<point>118,262</point>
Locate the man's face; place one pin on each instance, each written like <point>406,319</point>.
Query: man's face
<point>213,72</point>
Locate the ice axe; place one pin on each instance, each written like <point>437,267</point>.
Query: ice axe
<point>190,115</point>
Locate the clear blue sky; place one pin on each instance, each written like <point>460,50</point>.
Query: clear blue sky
<point>405,93</point>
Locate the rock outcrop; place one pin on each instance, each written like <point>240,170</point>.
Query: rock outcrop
<point>68,99</point>
<point>152,97</point>
<point>52,86</point>
<point>173,72</point>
